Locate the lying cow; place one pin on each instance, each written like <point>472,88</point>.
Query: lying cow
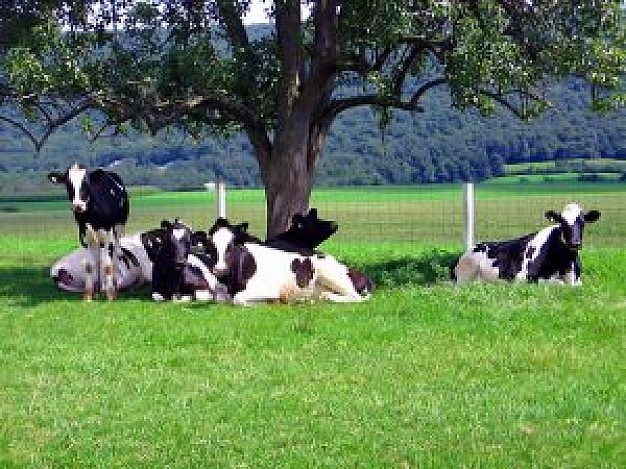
<point>550,254</point>
<point>177,272</point>
<point>100,205</point>
<point>134,268</point>
<point>255,272</point>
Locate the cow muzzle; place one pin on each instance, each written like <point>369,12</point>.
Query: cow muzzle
<point>79,207</point>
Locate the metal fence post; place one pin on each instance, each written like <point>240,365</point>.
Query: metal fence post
<point>468,214</point>
<point>221,199</point>
<point>220,196</point>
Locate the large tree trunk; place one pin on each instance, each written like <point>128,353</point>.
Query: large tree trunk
<point>289,175</point>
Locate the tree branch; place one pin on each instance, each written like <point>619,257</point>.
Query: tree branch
<point>22,128</point>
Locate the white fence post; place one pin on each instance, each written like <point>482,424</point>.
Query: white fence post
<point>468,214</point>
<point>220,200</point>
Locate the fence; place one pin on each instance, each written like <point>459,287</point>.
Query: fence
<point>431,215</point>
<point>454,215</point>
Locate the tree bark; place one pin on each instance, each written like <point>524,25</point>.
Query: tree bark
<point>289,175</point>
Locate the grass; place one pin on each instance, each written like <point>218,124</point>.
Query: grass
<point>425,374</point>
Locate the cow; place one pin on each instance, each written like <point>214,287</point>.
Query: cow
<point>256,272</point>
<point>551,254</point>
<point>177,272</point>
<point>134,268</point>
<point>100,204</point>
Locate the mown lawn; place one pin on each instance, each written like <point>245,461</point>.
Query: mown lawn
<point>425,374</point>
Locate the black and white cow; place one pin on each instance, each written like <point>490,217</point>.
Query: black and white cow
<point>100,204</point>
<point>549,254</point>
<point>255,272</point>
<point>134,268</point>
<point>177,272</point>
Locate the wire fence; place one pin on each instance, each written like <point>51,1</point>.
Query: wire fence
<point>431,215</point>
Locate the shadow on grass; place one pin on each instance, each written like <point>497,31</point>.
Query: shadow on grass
<point>31,286</point>
<point>422,269</point>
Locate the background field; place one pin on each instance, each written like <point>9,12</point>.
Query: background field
<point>425,374</point>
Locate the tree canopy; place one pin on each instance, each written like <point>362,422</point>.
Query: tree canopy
<point>194,65</point>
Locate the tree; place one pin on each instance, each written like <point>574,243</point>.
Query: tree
<point>193,64</point>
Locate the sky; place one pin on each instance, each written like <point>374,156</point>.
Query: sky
<point>257,12</point>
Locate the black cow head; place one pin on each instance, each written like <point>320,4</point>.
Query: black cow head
<point>311,230</point>
<point>304,235</point>
<point>572,223</point>
<point>153,241</point>
<point>176,242</point>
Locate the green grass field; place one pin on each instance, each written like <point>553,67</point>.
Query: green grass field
<point>425,374</point>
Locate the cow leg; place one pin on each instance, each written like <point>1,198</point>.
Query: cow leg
<point>89,280</point>
<point>107,256</point>
<point>90,264</point>
<point>334,281</point>
<point>572,275</point>
<point>246,298</point>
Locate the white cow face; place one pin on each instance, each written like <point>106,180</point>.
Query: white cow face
<point>572,223</point>
<point>222,240</point>
<point>75,181</point>
<point>225,237</point>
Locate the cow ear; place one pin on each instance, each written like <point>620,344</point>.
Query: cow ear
<point>553,216</point>
<point>313,213</point>
<point>592,215</point>
<point>166,224</point>
<point>243,226</point>
<point>57,178</point>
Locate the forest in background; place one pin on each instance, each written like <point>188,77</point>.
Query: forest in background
<point>439,145</point>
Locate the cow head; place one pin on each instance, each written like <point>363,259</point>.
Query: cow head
<point>225,237</point>
<point>75,179</point>
<point>312,230</point>
<point>304,271</point>
<point>176,242</point>
<point>572,223</point>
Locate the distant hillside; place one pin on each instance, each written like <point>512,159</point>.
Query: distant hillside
<point>439,145</point>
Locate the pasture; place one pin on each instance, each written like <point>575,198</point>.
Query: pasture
<point>425,374</point>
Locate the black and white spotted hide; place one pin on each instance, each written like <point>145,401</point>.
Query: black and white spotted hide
<point>550,254</point>
<point>255,272</point>
<point>100,205</point>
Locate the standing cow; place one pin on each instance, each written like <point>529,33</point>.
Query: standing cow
<point>550,254</point>
<point>100,204</point>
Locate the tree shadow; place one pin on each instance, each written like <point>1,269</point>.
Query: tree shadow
<point>424,269</point>
<point>32,286</point>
